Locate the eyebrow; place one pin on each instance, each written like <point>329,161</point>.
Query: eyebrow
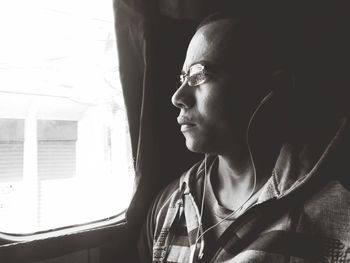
<point>203,62</point>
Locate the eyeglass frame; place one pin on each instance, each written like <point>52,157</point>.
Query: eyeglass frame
<point>184,76</point>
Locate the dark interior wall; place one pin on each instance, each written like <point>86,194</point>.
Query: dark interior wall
<point>83,256</point>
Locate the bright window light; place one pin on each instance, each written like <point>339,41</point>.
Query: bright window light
<point>65,155</point>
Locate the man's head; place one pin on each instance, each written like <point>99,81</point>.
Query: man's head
<point>227,71</point>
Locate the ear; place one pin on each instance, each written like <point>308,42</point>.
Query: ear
<point>283,80</point>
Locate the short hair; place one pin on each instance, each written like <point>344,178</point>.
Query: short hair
<point>214,17</point>
<point>267,39</point>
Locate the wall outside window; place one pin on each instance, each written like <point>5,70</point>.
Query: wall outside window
<point>65,154</point>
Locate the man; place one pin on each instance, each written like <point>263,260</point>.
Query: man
<point>269,188</point>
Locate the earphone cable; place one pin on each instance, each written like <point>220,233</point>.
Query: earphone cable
<point>200,226</point>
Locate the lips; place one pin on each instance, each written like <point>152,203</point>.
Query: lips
<point>185,123</point>
<point>186,127</point>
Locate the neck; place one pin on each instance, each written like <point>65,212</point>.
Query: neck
<point>233,172</point>
<point>234,180</point>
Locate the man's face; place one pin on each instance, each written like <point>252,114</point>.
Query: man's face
<point>214,114</point>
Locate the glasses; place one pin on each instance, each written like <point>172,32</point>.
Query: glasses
<point>196,75</point>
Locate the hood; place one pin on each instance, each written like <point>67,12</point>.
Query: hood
<point>298,146</point>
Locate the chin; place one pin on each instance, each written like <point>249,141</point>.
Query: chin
<point>195,146</point>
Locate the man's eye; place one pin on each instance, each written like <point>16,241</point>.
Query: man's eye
<point>197,79</point>
<point>195,69</point>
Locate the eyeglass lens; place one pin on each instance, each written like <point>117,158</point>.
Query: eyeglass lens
<point>195,75</point>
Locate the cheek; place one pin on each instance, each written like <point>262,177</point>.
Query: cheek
<point>224,112</point>
<point>216,116</point>
<point>216,106</point>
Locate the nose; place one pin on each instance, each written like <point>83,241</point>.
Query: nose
<point>183,97</point>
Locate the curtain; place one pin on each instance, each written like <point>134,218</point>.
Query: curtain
<point>151,50</point>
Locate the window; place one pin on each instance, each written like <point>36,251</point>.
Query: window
<point>65,154</point>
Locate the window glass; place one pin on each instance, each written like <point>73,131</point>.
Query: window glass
<point>65,154</point>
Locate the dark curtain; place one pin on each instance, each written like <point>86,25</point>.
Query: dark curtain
<point>152,38</point>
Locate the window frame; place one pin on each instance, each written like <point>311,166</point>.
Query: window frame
<point>68,240</point>
<point>62,231</point>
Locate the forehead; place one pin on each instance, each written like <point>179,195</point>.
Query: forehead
<point>211,43</point>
